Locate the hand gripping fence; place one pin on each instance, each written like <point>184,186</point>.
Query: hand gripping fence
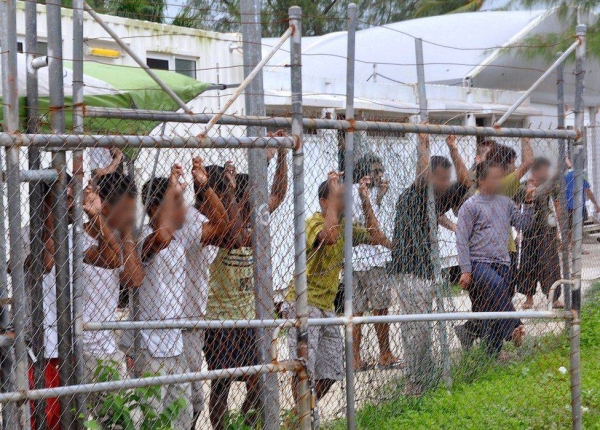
<point>405,318</point>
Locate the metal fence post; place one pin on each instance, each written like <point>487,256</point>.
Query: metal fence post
<point>579,167</point>
<point>303,388</point>
<point>433,223</point>
<point>10,103</point>
<point>79,371</point>
<point>562,168</point>
<point>36,219</point>
<point>348,216</point>
<point>259,200</point>
<point>592,143</point>
<point>60,211</point>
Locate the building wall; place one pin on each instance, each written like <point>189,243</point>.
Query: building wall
<point>216,55</point>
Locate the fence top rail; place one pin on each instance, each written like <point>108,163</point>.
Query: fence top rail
<point>72,141</point>
<point>331,124</point>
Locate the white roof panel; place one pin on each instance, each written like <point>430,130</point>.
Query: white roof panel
<point>453,45</point>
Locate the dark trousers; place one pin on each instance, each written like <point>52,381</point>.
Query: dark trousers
<point>490,291</point>
<point>474,327</point>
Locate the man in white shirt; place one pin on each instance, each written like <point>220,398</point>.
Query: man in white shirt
<point>110,260</point>
<point>372,288</point>
<point>172,235</point>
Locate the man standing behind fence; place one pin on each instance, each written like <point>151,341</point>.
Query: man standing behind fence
<point>539,245</point>
<point>171,232</point>
<point>372,289</point>
<point>232,294</point>
<point>325,254</point>
<point>411,253</point>
<point>110,259</point>
<point>484,257</point>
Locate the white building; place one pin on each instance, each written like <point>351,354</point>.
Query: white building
<point>472,74</point>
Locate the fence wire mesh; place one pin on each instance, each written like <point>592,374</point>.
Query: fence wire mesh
<point>157,313</point>
<point>167,239</point>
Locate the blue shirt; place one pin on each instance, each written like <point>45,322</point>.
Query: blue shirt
<point>570,189</point>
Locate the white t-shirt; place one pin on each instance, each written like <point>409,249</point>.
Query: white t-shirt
<point>365,257</point>
<point>49,300</point>
<point>196,269</point>
<point>100,300</point>
<point>163,293</point>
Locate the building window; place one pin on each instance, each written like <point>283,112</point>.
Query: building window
<point>155,63</point>
<point>42,48</point>
<point>186,67</point>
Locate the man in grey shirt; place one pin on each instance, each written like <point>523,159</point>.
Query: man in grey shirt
<point>483,253</point>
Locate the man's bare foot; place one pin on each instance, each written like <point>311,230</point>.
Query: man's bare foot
<point>359,364</point>
<point>557,304</point>
<point>518,335</point>
<point>387,359</point>
<point>528,303</point>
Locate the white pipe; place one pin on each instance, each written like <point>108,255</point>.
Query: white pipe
<point>248,79</point>
<point>537,83</point>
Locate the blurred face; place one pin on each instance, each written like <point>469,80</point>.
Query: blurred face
<point>540,175</point>
<point>376,174</point>
<point>492,183</point>
<point>441,179</point>
<point>120,215</point>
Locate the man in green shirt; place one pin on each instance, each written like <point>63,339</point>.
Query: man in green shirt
<point>325,255</point>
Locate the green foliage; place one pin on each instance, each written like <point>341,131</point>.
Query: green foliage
<point>139,9</point>
<point>117,408</point>
<point>320,16</point>
<point>443,7</point>
<point>547,45</point>
<point>531,392</point>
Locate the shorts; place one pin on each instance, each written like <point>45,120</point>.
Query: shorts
<point>325,347</point>
<point>228,348</point>
<point>193,344</point>
<point>372,290</point>
<point>169,393</point>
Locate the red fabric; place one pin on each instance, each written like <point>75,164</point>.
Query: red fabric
<point>52,380</point>
<point>52,405</point>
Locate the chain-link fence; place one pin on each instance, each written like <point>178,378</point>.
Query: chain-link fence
<point>167,271</point>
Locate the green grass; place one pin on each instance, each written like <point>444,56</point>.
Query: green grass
<point>529,393</point>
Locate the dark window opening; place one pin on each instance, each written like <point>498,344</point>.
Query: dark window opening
<point>155,63</point>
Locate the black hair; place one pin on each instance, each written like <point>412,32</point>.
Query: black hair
<point>485,143</point>
<point>324,190</point>
<point>484,167</point>
<point>362,167</point>
<point>540,162</point>
<point>153,192</point>
<point>242,182</point>
<point>502,155</point>
<point>437,161</point>
<point>114,186</point>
